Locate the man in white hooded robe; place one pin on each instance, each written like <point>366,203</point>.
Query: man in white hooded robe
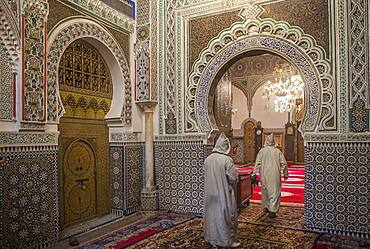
<point>270,162</point>
<point>220,210</point>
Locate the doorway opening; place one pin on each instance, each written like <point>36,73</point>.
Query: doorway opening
<point>248,104</point>
<point>86,90</point>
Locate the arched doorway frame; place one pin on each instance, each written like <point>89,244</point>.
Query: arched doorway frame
<point>63,35</point>
<point>70,30</point>
<point>280,38</point>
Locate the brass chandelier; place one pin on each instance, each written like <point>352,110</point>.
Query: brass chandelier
<point>287,88</point>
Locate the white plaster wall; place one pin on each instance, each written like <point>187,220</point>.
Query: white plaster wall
<point>268,117</point>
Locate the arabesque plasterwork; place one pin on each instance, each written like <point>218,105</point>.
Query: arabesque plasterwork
<point>187,9</point>
<point>34,18</point>
<point>358,64</point>
<point>10,35</point>
<point>279,37</point>
<point>106,12</point>
<point>60,39</point>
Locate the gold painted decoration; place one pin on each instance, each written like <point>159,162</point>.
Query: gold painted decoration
<point>82,69</point>
<point>84,106</point>
<point>79,182</point>
<point>223,104</point>
<point>249,141</point>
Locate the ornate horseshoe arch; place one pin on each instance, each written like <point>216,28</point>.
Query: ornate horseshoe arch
<point>59,39</point>
<point>277,37</point>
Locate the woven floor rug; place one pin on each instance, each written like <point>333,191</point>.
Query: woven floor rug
<point>125,236</point>
<point>189,235</point>
<point>255,230</point>
<point>287,217</point>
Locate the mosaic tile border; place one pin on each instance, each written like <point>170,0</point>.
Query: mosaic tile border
<point>8,139</point>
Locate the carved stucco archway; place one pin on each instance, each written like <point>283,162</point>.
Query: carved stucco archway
<point>60,38</point>
<point>279,38</point>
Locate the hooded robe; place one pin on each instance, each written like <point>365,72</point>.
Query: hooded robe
<point>270,162</point>
<point>220,208</point>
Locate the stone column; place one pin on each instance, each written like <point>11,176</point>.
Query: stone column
<point>149,192</point>
<point>149,148</point>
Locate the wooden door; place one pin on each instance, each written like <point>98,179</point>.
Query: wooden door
<point>79,182</point>
<point>223,105</point>
<point>249,142</point>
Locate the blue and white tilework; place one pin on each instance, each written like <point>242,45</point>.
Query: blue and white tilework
<point>179,175</point>
<point>337,188</point>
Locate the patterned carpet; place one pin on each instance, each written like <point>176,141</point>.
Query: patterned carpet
<point>125,236</point>
<point>287,217</point>
<point>255,231</point>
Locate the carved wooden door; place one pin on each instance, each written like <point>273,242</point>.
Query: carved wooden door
<point>79,183</point>
<point>223,104</point>
<point>249,141</point>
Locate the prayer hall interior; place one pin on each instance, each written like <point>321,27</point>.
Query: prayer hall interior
<point>108,109</point>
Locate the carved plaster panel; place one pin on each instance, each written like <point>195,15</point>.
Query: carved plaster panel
<point>358,64</point>
<point>102,10</point>
<point>10,35</point>
<point>34,19</point>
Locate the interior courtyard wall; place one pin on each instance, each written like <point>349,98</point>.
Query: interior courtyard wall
<point>327,27</point>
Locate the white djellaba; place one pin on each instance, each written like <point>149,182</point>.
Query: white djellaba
<point>270,162</point>
<point>220,210</point>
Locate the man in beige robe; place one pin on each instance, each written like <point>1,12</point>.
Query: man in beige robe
<point>270,162</point>
<point>220,211</point>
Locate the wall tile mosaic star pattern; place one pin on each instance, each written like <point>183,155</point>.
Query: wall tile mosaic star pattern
<point>29,190</point>
<point>127,162</point>
<point>179,175</point>
<point>337,188</point>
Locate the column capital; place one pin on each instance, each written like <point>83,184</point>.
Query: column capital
<point>147,106</point>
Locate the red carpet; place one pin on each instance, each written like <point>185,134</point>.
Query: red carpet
<point>133,233</point>
<point>292,191</point>
<point>135,238</point>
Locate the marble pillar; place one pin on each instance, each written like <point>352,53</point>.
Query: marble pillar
<point>149,198</point>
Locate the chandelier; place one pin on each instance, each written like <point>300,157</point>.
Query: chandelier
<point>287,88</point>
